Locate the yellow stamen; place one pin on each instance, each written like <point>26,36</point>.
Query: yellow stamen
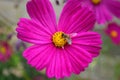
<point>3,50</point>
<point>58,39</point>
<point>114,33</point>
<point>96,1</point>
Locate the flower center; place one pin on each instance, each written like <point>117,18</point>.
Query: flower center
<point>114,33</point>
<point>95,1</point>
<point>2,50</point>
<point>60,39</point>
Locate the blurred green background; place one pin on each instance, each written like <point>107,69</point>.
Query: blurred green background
<point>105,67</point>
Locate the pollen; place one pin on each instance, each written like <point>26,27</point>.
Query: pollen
<point>95,1</point>
<point>58,39</point>
<point>3,50</point>
<point>114,33</point>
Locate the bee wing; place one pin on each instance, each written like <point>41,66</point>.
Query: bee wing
<point>73,35</point>
<point>69,41</point>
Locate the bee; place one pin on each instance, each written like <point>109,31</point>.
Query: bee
<point>67,38</point>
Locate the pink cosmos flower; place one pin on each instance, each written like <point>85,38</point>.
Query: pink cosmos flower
<point>64,48</point>
<point>104,9</point>
<point>113,31</point>
<point>5,51</point>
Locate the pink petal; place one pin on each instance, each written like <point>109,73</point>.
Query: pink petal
<point>66,65</point>
<point>76,18</point>
<point>50,70</point>
<point>89,41</point>
<point>102,14</point>
<point>33,32</point>
<point>60,65</point>
<point>39,56</point>
<point>42,11</point>
<point>79,58</point>
<point>114,7</point>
